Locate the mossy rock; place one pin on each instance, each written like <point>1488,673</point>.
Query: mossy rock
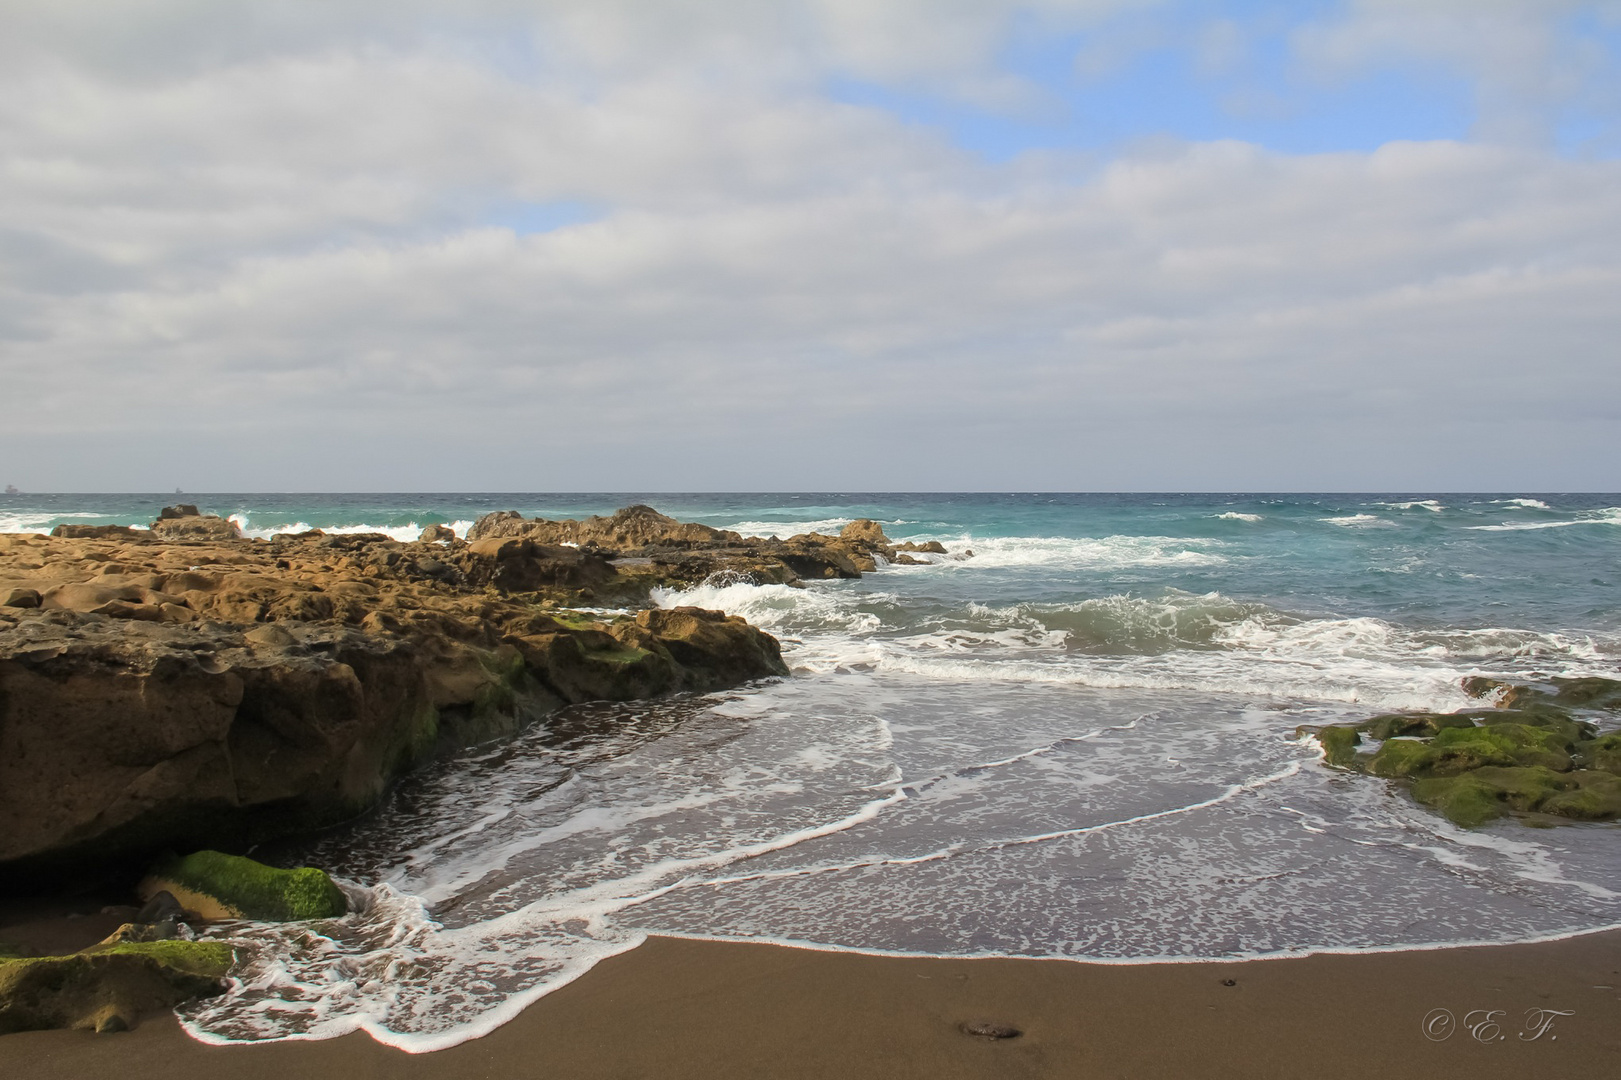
<point>1465,800</point>
<point>1398,725</point>
<point>1597,797</point>
<point>1488,792</point>
<point>1588,693</point>
<point>216,885</point>
<point>213,958</point>
<point>1548,719</point>
<point>1603,753</point>
<point>1527,755</point>
<point>1339,744</point>
<point>1401,757</point>
<point>1460,750</point>
<point>107,988</point>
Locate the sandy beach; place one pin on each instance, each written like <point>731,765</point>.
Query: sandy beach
<point>680,1008</point>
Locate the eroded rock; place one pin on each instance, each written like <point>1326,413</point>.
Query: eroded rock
<point>211,694</point>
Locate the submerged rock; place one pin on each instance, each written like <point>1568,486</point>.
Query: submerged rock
<point>1532,755</point>
<point>213,885</point>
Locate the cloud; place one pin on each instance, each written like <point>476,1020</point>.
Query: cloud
<point>279,262</point>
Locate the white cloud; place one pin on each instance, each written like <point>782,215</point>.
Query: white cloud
<point>276,260</point>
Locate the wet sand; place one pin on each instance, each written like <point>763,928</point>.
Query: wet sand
<point>676,1008</point>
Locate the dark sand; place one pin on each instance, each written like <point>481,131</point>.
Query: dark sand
<point>676,1008</point>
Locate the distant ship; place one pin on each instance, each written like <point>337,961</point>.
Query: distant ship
<point>11,489</point>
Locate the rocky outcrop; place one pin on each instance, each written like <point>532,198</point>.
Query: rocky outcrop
<point>183,522</point>
<point>644,548</point>
<point>1537,752</point>
<point>207,694</point>
<point>634,527</point>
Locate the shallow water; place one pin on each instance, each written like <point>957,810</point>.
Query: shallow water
<point>1079,742</point>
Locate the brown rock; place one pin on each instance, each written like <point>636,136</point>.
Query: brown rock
<point>97,532</point>
<point>193,526</point>
<point>248,688</point>
<point>20,598</point>
<point>84,597</point>
<point>864,531</point>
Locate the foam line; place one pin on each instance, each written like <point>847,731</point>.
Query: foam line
<point>1240,957</point>
<point>954,850</point>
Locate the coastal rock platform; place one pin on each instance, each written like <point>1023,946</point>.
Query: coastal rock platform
<point>183,687</point>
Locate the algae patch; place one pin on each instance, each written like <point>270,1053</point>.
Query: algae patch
<point>1529,756</point>
<point>216,885</point>
<point>107,988</point>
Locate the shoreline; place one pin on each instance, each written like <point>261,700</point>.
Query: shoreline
<point>684,1007</point>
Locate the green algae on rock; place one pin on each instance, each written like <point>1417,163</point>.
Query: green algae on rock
<point>219,886</point>
<point>1528,756</point>
<point>107,988</point>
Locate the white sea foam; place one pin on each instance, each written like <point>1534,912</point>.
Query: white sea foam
<point>415,983</point>
<point>785,529</point>
<point>26,523</point>
<point>1234,515</point>
<point>31,521</point>
<point>403,533</point>
<point>1529,504</point>
<point>1176,641</point>
<point>1359,521</point>
<point>1610,515</point>
<point>1423,504</point>
<point>714,831</point>
<point>1084,553</point>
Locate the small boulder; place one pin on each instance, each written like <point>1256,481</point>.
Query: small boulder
<point>438,534</point>
<point>20,598</point>
<point>214,885</point>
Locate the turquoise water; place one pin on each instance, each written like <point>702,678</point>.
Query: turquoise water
<point>1530,560</point>
<point>1076,742</point>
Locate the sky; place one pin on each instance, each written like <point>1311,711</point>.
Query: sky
<point>775,245</point>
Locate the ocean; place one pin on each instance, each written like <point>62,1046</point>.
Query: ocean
<point>1077,742</point>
